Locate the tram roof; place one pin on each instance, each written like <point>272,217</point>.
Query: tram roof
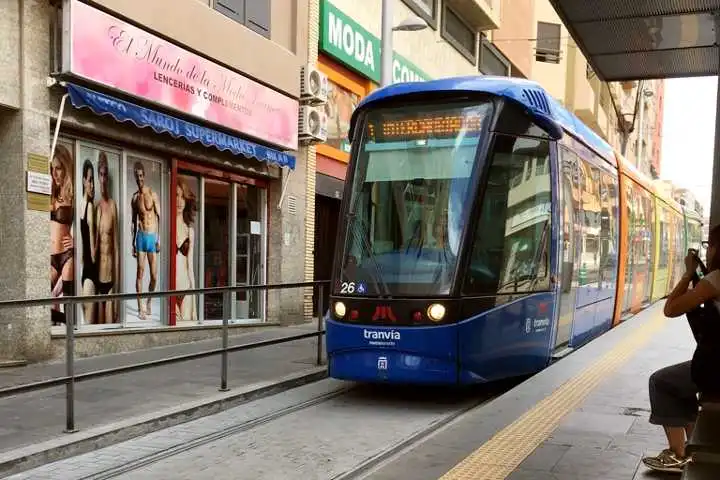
<point>637,40</point>
<point>547,112</point>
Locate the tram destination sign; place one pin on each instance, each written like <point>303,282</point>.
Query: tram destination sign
<point>427,126</point>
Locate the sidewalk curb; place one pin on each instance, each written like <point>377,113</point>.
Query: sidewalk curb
<point>83,441</point>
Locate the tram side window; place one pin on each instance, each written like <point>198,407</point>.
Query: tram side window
<point>679,249</point>
<point>664,235</point>
<point>632,241</point>
<point>512,238</point>
<point>649,212</point>
<point>608,229</point>
<point>590,244</point>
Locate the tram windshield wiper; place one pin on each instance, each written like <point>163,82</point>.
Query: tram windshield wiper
<point>377,276</point>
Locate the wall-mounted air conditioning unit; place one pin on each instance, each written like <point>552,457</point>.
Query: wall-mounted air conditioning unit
<point>313,86</point>
<point>312,124</point>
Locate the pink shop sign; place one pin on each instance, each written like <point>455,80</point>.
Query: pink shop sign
<point>115,54</point>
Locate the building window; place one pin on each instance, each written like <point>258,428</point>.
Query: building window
<point>254,14</point>
<point>548,42</point>
<point>492,61</point>
<point>458,34</point>
<point>425,9</point>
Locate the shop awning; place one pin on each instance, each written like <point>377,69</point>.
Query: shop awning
<point>644,39</point>
<point>122,111</point>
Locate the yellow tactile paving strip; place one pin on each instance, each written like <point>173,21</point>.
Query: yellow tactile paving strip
<point>503,453</point>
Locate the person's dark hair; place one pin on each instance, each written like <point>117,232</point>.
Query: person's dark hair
<point>139,167</point>
<point>103,162</point>
<point>714,240</point>
<point>190,201</point>
<point>87,167</point>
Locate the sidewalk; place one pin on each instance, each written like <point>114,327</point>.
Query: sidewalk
<point>32,418</point>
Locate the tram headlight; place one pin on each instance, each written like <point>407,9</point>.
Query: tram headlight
<point>436,312</point>
<point>339,309</point>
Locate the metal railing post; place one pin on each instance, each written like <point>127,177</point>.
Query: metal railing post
<point>70,368</point>
<point>224,355</point>
<point>320,313</point>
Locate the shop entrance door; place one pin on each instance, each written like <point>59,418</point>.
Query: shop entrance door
<point>231,246</point>
<point>216,233</point>
<point>249,252</point>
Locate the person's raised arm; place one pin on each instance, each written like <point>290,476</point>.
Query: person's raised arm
<point>681,300</point>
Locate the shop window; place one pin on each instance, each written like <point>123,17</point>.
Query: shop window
<point>339,107</point>
<point>346,90</point>
<point>107,231</point>
<point>62,222</point>
<point>222,243</point>
<point>145,258</point>
<point>98,215</point>
<point>425,9</point>
<point>254,14</point>
<point>548,42</point>
<point>492,61</point>
<point>110,224</point>
<point>187,252</point>
<point>458,34</point>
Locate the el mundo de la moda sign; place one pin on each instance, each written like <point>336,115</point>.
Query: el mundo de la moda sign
<point>115,54</point>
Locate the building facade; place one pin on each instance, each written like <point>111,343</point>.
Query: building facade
<point>141,155</point>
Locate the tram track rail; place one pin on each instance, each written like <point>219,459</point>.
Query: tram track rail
<point>356,472</point>
<point>398,449</point>
<point>245,426</point>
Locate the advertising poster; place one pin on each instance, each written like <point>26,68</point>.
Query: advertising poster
<point>143,260</point>
<point>186,251</point>
<point>98,248</point>
<point>339,107</point>
<point>62,243</point>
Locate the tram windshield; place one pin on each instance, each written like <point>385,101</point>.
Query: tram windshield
<point>409,201</point>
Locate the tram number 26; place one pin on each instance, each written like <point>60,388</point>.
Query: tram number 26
<point>347,288</point>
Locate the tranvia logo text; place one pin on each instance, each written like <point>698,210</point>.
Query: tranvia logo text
<point>381,334</point>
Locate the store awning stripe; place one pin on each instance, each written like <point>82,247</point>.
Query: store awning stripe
<point>122,111</point>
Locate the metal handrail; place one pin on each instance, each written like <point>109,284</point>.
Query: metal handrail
<point>71,378</point>
<point>39,302</point>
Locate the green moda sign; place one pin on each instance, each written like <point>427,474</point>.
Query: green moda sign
<point>344,39</point>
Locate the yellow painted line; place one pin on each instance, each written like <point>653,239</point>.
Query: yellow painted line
<point>504,452</point>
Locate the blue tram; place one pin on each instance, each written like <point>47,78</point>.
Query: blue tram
<point>480,235</point>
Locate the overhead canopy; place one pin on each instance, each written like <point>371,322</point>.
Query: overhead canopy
<point>643,39</point>
<point>122,111</point>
